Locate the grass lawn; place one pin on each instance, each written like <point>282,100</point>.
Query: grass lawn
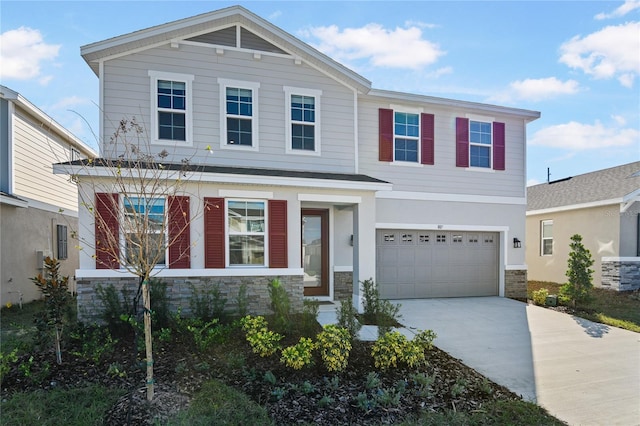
<point>617,309</point>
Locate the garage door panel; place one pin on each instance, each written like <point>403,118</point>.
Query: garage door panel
<point>417,264</point>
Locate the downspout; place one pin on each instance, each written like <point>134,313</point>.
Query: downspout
<point>101,103</point>
<point>355,131</point>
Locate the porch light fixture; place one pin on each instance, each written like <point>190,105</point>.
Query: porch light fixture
<point>517,243</point>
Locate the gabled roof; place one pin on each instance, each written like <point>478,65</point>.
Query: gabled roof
<point>197,28</point>
<point>614,185</point>
<point>34,111</point>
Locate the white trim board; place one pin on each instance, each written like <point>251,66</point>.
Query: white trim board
<point>575,207</point>
<point>461,198</point>
<point>442,227</point>
<point>181,273</point>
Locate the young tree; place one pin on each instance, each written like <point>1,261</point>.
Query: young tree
<point>579,272</point>
<point>57,298</point>
<point>141,210</point>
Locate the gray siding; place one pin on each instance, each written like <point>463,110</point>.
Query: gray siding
<point>629,231</point>
<point>127,94</point>
<point>443,177</point>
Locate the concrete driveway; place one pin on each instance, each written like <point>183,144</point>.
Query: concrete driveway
<point>583,373</point>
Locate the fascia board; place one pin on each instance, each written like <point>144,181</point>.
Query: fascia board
<point>528,115</point>
<point>228,178</point>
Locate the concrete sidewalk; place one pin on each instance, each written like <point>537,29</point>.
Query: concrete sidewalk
<point>582,372</point>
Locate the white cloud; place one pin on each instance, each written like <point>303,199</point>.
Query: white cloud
<point>536,89</point>
<point>627,7</point>
<point>532,182</point>
<point>275,15</point>
<point>382,47</point>
<point>614,51</point>
<point>576,136</point>
<point>70,102</point>
<point>22,52</point>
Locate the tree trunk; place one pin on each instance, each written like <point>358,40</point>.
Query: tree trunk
<point>58,349</point>
<point>146,301</point>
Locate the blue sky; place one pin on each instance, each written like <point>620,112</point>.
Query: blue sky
<point>577,62</point>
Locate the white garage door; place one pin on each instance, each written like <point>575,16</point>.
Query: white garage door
<point>419,264</point>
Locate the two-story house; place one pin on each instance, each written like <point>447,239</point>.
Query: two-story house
<point>309,174</point>
<point>38,210</point>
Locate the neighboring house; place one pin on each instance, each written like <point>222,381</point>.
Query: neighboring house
<point>604,208</point>
<point>38,210</point>
<point>333,182</point>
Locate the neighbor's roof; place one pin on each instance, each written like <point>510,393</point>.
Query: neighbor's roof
<point>616,184</point>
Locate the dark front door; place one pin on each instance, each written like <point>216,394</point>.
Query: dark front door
<point>315,251</point>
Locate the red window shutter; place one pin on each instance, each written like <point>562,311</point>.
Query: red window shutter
<point>385,129</point>
<point>179,232</point>
<point>498,146</point>
<point>462,142</point>
<point>427,138</point>
<point>278,253</point>
<point>107,231</point>
<point>214,240</point>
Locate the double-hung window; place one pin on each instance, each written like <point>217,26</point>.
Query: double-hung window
<point>546,237</point>
<point>303,120</point>
<point>171,107</point>
<point>406,139</point>
<point>144,230</point>
<point>480,139</point>
<point>239,119</point>
<point>246,232</point>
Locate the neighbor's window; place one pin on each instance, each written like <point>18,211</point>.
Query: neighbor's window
<point>406,130</point>
<point>61,236</point>
<point>172,106</point>
<point>246,225</point>
<point>239,120</point>
<point>480,144</point>
<point>546,233</point>
<point>144,236</point>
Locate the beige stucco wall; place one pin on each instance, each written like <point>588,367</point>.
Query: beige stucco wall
<point>23,232</point>
<point>600,230</point>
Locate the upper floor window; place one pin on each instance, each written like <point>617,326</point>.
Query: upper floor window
<point>406,136</point>
<point>238,123</point>
<point>480,143</point>
<point>480,139</point>
<point>546,237</point>
<point>246,232</point>
<point>144,230</point>
<point>303,120</point>
<point>171,107</point>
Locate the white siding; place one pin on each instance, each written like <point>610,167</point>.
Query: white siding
<point>443,176</point>
<point>127,94</point>
<point>35,150</point>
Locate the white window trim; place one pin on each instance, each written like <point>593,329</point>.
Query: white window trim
<point>227,233</point>
<point>481,119</point>
<point>542,237</point>
<point>403,110</point>
<point>316,94</point>
<point>249,85</point>
<point>188,119</point>
<point>123,240</point>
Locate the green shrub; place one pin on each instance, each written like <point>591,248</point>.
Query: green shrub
<point>95,343</point>
<point>308,324</point>
<point>370,300</point>
<point>281,306</point>
<point>160,314</point>
<point>334,344</point>
<point>263,341</point>
<point>540,296</point>
<point>208,302</point>
<point>388,350</point>
<point>347,318</point>
<point>242,300</point>
<point>299,355</point>
<point>5,362</point>
<point>378,311</point>
<point>115,306</point>
<point>579,272</point>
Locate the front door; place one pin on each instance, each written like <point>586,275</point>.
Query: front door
<point>315,251</point>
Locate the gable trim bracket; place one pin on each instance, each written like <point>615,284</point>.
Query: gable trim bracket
<point>629,199</point>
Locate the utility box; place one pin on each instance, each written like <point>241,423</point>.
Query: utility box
<point>551,300</point>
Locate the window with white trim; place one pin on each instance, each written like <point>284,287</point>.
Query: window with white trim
<point>239,118</point>
<point>303,120</point>
<point>246,226</point>
<point>546,237</point>
<point>144,229</point>
<point>480,144</point>
<point>406,137</point>
<point>171,107</point>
